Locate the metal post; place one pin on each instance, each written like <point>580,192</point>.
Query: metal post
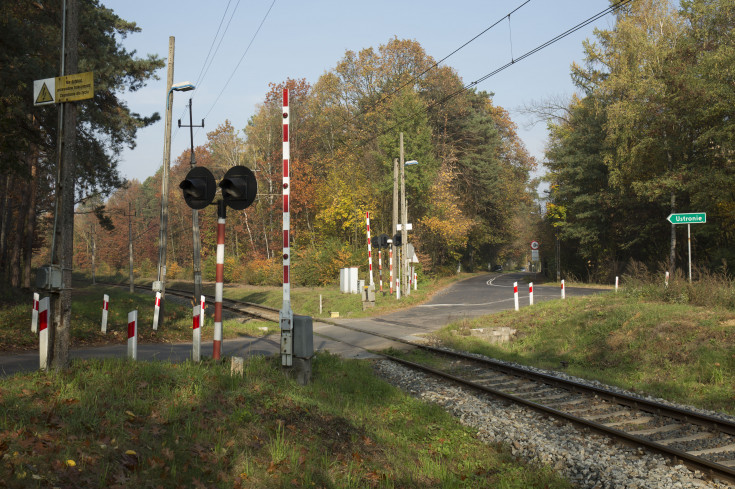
<point>689,242</point>
<point>404,230</point>
<point>219,279</point>
<point>394,256</point>
<point>164,185</point>
<point>286,314</point>
<point>196,253</point>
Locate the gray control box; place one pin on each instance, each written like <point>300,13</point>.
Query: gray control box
<point>303,336</point>
<point>49,277</point>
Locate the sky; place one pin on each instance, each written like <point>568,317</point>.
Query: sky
<point>232,50</point>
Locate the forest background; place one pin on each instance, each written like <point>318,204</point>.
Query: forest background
<point>649,132</point>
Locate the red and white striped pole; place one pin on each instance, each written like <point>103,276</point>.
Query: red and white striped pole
<point>616,283</point>
<point>197,333</point>
<point>34,315</point>
<point>105,309</point>
<point>219,280</point>
<point>43,316</point>
<point>390,260</point>
<point>133,335</point>
<point>515,294</point>
<point>370,249</point>
<point>201,315</point>
<point>415,279</point>
<point>563,291</point>
<point>380,268</point>
<point>156,311</point>
<point>666,279</point>
<point>530,293</point>
<point>286,314</point>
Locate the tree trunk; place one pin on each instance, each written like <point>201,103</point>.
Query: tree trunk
<point>30,224</point>
<point>5,218</point>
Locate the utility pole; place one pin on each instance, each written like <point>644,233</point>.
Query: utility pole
<point>164,185</point>
<point>404,230</point>
<point>130,215</point>
<point>394,263</point>
<point>94,250</point>
<point>196,259</point>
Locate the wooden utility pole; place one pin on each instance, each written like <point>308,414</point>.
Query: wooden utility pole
<point>164,185</point>
<point>63,253</point>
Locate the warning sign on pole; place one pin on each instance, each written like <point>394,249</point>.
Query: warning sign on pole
<point>69,88</point>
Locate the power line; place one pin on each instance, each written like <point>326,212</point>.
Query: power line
<point>224,14</point>
<point>584,23</point>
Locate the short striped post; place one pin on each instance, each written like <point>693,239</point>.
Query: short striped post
<point>515,295</point>
<point>666,279</point>
<point>105,309</point>
<point>202,301</point>
<point>133,335</point>
<point>34,314</point>
<point>370,249</point>
<point>390,260</point>
<point>43,316</point>
<point>197,333</point>
<point>616,283</point>
<point>563,291</point>
<point>219,282</point>
<point>530,293</point>
<point>156,311</point>
<point>415,278</point>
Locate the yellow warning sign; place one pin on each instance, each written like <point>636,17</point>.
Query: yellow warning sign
<point>44,96</point>
<point>70,88</point>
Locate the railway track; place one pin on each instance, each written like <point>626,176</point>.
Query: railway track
<point>702,442</point>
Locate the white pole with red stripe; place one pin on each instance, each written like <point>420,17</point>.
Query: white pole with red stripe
<point>34,316</point>
<point>286,314</point>
<point>415,279</point>
<point>197,333</point>
<point>133,335</point>
<point>201,315</point>
<point>530,293</point>
<point>219,281</point>
<point>616,283</point>
<point>105,309</point>
<point>380,268</point>
<point>515,294</point>
<point>156,311</point>
<point>43,316</point>
<point>390,260</point>
<point>370,249</point>
<point>563,291</point>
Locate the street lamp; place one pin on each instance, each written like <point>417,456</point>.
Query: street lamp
<point>160,283</point>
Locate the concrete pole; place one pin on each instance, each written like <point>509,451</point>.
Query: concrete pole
<point>130,245</point>
<point>164,185</point>
<point>394,256</point>
<point>404,231</point>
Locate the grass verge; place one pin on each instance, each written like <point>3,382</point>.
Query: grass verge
<point>122,424</point>
<point>680,352</point>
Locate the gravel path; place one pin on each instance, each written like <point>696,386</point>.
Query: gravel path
<point>586,459</point>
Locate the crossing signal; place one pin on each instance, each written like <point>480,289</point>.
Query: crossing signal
<point>199,187</point>
<point>383,240</point>
<point>375,242</point>
<point>239,187</point>
<point>398,240</point>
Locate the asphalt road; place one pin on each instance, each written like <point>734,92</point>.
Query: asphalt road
<point>477,296</point>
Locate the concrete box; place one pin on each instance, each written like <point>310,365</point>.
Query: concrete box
<point>303,336</point>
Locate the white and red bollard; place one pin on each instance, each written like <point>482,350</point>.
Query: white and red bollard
<point>616,283</point>
<point>34,315</point>
<point>43,316</point>
<point>515,294</point>
<point>197,333</point>
<point>202,302</point>
<point>105,309</point>
<point>563,291</point>
<point>156,311</point>
<point>666,279</point>
<point>133,335</point>
<point>530,293</point>
<point>415,279</point>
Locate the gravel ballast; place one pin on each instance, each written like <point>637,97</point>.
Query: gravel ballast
<point>586,459</point>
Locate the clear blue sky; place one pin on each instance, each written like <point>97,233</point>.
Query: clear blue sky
<point>304,39</point>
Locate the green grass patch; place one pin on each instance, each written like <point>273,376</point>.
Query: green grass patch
<point>114,423</point>
<point>680,352</point>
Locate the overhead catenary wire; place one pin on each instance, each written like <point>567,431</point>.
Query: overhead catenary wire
<point>584,23</point>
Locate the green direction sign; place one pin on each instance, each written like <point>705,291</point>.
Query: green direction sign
<point>688,218</point>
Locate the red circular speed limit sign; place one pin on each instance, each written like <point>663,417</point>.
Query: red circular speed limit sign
<point>534,245</point>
